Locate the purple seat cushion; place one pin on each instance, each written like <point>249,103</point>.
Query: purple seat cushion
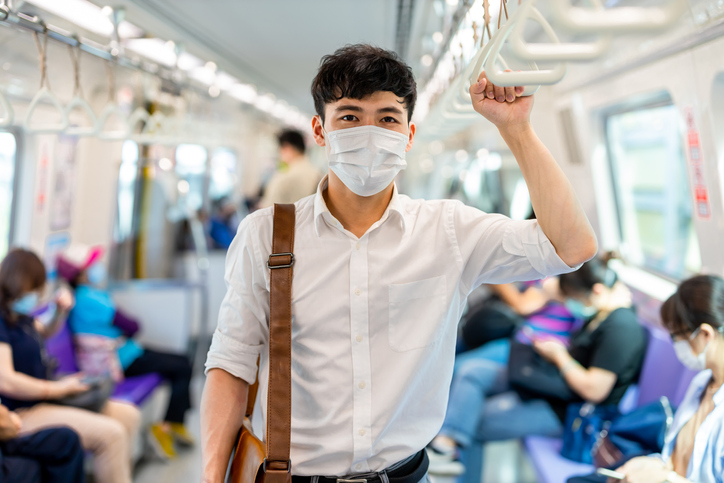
<point>60,347</point>
<point>545,454</point>
<point>136,389</point>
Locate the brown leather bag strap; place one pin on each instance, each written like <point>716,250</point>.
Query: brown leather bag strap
<point>277,466</point>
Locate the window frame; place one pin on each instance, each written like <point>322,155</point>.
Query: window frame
<point>651,101</point>
<point>15,132</point>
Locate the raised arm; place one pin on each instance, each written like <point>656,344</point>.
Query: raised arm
<point>557,209</point>
<point>221,419</point>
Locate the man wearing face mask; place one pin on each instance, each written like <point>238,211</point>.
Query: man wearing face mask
<point>380,280</point>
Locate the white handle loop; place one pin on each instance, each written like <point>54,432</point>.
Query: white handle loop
<point>616,19</point>
<point>45,94</point>
<point>112,110</point>
<point>8,115</point>
<point>80,103</point>
<point>526,78</point>
<point>152,132</point>
<point>554,52</point>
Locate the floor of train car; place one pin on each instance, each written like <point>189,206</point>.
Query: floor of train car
<point>506,462</point>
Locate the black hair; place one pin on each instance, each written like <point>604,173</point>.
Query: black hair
<point>359,70</point>
<point>20,272</point>
<point>581,281</point>
<point>698,300</point>
<point>292,138</point>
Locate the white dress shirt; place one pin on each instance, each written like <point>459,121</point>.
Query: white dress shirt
<point>707,458</point>
<point>374,320</point>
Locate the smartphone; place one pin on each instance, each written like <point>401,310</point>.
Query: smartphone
<point>610,474</point>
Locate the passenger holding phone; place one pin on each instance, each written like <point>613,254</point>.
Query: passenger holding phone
<point>694,447</point>
<point>24,382</point>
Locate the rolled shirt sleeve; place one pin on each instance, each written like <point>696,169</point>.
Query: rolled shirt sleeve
<point>242,330</point>
<point>495,249</point>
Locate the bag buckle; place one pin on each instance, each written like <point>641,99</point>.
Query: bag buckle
<point>342,480</point>
<point>273,267</point>
<point>288,468</point>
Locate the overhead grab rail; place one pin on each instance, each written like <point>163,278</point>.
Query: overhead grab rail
<point>616,19</point>
<point>79,102</point>
<point>112,109</point>
<point>44,94</point>
<point>554,52</point>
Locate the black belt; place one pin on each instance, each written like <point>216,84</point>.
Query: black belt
<point>411,472</point>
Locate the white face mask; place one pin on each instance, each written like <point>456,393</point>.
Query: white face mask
<point>686,355</point>
<point>366,158</point>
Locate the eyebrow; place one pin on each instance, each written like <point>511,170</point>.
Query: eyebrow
<point>350,107</point>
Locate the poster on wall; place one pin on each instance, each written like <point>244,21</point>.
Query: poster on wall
<point>696,165</point>
<point>64,175</point>
<point>54,246</point>
<point>41,190</point>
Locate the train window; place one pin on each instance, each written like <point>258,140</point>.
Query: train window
<point>127,176</point>
<point>652,190</point>
<point>7,178</point>
<point>223,173</point>
<point>191,170</point>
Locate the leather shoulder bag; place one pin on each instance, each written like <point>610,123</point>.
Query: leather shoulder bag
<point>255,462</point>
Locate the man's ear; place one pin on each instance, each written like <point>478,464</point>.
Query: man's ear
<point>413,128</point>
<point>317,131</point>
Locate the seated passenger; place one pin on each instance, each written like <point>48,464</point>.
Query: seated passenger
<point>541,312</point>
<point>604,357</point>
<point>95,319</point>
<point>694,446</point>
<point>52,455</point>
<point>24,383</point>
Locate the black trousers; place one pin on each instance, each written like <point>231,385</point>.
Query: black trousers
<point>175,369</point>
<point>48,456</point>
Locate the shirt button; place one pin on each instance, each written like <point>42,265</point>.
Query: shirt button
<point>362,385</point>
<point>357,291</point>
<point>362,432</point>
<point>358,246</point>
<point>358,467</point>
<point>359,338</point>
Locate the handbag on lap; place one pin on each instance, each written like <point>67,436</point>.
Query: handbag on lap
<point>253,461</point>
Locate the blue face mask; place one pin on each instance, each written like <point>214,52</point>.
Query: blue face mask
<point>96,274</point>
<point>26,304</point>
<point>578,310</point>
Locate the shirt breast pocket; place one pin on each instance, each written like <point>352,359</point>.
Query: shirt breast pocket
<point>417,311</point>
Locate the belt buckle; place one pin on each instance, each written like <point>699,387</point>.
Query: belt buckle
<point>356,480</point>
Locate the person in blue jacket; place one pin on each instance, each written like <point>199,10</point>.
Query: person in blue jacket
<point>95,316</point>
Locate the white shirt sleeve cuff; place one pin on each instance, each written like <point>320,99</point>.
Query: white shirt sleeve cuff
<point>237,359</point>
<point>527,239</point>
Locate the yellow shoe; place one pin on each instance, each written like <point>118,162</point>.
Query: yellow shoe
<point>182,435</point>
<point>162,442</point>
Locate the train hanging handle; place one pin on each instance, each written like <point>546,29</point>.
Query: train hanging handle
<point>554,52</point>
<point>44,94</point>
<point>525,78</point>
<point>79,102</point>
<point>616,19</point>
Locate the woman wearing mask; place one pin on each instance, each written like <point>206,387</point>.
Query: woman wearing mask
<point>24,384</point>
<point>694,316</point>
<point>95,317</point>
<point>603,358</point>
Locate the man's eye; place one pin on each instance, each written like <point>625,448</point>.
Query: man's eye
<point>349,117</point>
<point>389,119</point>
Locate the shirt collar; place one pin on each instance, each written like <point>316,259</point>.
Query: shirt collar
<point>321,211</point>
<point>702,380</point>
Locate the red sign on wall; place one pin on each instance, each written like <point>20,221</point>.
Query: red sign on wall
<point>696,164</point>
